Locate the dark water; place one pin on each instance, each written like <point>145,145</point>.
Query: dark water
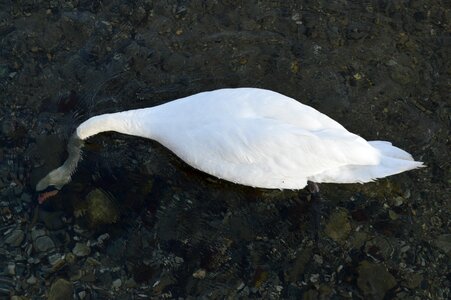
<point>137,223</point>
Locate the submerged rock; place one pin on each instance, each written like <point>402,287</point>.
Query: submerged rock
<point>444,243</point>
<point>81,249</point>
<point>116,284</point>
<point>101,209</point>
<point>52,220</point>
<point>413,280</point>
<point>130,283</point>
<point>374,280</point>
<point>15,238</point>
<point>338,227</point>
<point>200,274</point>
<point>43,243</point>
<point>61,289</point>
<point>298,267</point>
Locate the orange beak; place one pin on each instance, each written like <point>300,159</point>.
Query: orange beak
<point>45,195</point>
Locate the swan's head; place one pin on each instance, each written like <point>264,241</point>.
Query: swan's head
<point>56,179</point>
<point>52,183</point>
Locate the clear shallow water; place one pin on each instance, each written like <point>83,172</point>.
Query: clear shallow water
<point>377,68</point>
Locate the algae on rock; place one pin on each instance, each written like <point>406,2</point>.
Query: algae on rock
<point>101,209</point>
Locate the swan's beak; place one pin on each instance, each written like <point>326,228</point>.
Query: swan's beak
<point>50,191</point>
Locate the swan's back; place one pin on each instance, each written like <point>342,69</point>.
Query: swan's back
<point>227,104</point>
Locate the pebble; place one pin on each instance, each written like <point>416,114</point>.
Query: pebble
<point>338,227</point>
<point>102,238</point>
<point>43,244</point>
<point>413,281</point>
<point>374,280</point>
<point>444,243</point>
<point>32,280</point>
<point>298,267</point>
<point>26,198</point>
<point>130,283</point>
<point>70,258</point>
<point>7,128</point>
<point>399,201</point>
<point>52,220</point>
<point>81,249</point>
<point>61,289</point>
<point>35,233</point>
<point>314,278</point>
<point>117,283</point>
<point>101,208</point>
<point>11,269</point>
<point>82,295</point>
<point>402,74</point>
<point>200,274</point>
<point>54,258</point>
<point>379,246</point>
<point>33,260</point>
<point>393,215</point>
<point>318,259</point>
<point>57,262</point>
<point>15,238</point>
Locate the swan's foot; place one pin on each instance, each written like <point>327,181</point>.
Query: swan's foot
<point>316,209</point>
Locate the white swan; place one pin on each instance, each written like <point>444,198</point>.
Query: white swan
<point>249,136</point>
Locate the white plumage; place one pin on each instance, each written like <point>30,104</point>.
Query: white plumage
<point>258,138</point>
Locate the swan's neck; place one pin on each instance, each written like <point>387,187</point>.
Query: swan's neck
<point>133,122</point>
<point>62,175</point>
<point>139,122</point>
<point>74,155</point>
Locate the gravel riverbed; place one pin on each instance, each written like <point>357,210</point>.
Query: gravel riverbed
<point>137,223</point>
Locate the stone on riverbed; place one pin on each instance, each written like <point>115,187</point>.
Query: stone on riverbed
<point>101,208</point>
<point>61,289</point>
<point>374,280</point>
<point>15,238</point>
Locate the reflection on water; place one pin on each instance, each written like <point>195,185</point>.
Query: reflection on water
<point>136,222</point>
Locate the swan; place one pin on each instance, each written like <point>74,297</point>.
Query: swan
<point>248,136</point>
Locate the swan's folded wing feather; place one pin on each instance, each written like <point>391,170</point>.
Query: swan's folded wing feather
<point>266,150</point>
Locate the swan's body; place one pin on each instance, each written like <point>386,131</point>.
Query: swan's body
<point>254,137</point>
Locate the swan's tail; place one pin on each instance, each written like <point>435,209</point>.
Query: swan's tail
<point>392,161</point>
<point>387,149</point>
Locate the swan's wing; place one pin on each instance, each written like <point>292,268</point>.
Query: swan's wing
<point>251,103</point>
<point>266,152</point>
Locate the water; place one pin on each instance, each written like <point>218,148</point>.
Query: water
<point>379,68</point>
